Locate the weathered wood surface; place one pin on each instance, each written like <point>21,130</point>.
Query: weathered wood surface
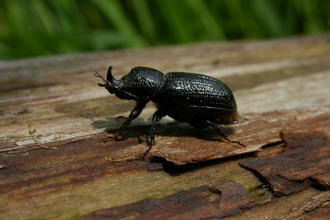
<point>53,116</point>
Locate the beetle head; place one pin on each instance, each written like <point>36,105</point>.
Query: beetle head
<point>111,84</point>
<point>139,83</point>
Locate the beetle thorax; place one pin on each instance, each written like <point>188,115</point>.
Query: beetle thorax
<point>140,83</point>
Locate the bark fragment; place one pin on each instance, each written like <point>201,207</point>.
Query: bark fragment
<point>304,162</point>
<point>183,145</point>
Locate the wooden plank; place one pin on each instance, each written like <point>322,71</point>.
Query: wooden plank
<point>53,116</point>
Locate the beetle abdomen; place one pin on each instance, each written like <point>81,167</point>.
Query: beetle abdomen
<point>194,97</point>
<point>198,90</point>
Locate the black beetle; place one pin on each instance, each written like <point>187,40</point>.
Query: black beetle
<point>199,100</point>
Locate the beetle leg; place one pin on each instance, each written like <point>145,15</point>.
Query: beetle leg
<point>220,132</point>
<point>151,139</point>
<point>133,115</point>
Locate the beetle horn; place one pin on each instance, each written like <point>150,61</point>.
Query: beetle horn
<point>109,75</point>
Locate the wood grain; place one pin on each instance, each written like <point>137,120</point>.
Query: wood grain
<point>53,116</point>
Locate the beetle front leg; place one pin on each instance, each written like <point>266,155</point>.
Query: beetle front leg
<point>133,115</point>
<point>220,132</point>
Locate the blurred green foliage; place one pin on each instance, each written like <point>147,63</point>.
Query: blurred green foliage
<point>44,27</point>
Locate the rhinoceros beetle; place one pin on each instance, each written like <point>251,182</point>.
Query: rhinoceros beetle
<point>199,100</point>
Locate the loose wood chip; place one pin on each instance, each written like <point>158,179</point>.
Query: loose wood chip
<point>306,158</point>
<point>256,131</point>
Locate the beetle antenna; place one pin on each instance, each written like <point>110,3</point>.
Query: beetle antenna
<point>109,75</point>
<point>98,75</point>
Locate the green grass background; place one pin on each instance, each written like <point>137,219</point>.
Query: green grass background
<point>31,28</point>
